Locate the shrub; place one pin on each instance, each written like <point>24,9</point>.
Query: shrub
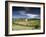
<point>37,26</point>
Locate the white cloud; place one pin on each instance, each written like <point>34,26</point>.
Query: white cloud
<point>32,15</point>
<point>24,15</point>
<point>22,12</point>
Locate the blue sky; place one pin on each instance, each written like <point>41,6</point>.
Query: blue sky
<point>25,12</point>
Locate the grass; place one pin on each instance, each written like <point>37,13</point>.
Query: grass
<point>19,27</point>
<point>21,24</point>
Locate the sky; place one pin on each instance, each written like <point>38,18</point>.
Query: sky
<point>25,12</point>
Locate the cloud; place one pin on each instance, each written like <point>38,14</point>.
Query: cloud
<point>32,16</point>
<point>23,14</point>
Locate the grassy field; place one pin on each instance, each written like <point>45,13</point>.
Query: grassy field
<point>22,24</point>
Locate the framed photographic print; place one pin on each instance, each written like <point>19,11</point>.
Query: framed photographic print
<point>24,18</point>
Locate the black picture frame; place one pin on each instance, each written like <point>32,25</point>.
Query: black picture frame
<point>6,18</point>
